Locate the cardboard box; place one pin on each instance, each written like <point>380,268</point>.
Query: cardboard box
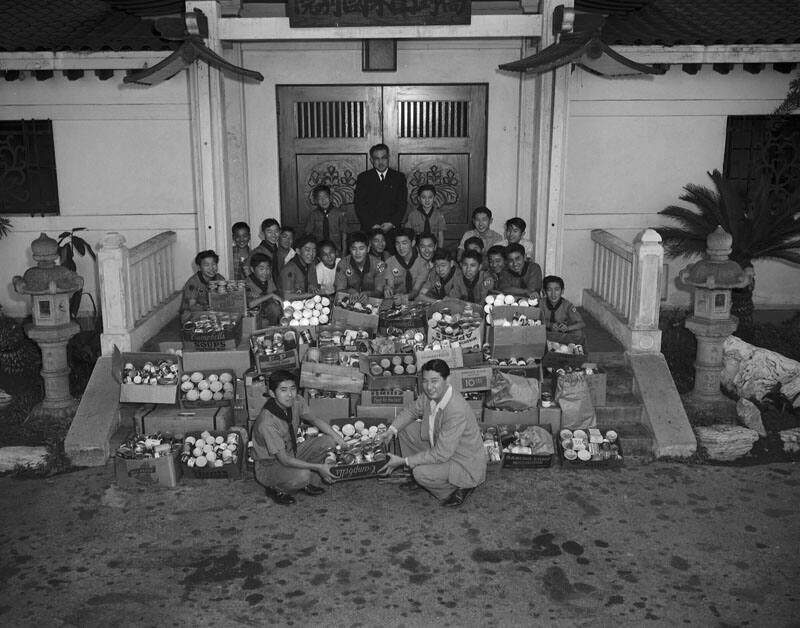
<point>611,463</point>
<point>331,377</point>
<point>387,398</point>
<point>396,382</point>
<point>510,312</point>
<point>356,320</point>
<point>329,408</point>
<point>286,360</point>
<point>451,355</point>
<point>522,341</point>
<point>598,383</point>
<point>144,393</point>
<point>163,471</point>
<point>526,461</point>
<point>150,419</point>
<point>233,301</point>
<point>387,414</point>
<point>224,340</point>
<point>256,392</point>
<point>199,403</point>
<point>291,338</point>
<point>551,417</point>
<point>493,416</point>
<point>233,471</point>
<point>405,360</point>
<point>469,342</point>
<point>471,379</point>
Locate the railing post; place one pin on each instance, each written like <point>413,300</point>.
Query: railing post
<point>112,260</point>
<point>648,259</point>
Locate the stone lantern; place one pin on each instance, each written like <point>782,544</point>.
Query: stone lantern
<point>51,287</point>
<point>712,278</point>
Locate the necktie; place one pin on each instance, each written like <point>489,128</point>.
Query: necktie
<point>381,175</point>
<point>427,227</point>
<point>407,267</point>
<point>553,309</point>
<point>286,415</point>
<point>470,286</point>
<point>326,226</point>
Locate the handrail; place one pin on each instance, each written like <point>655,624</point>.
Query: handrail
<point>628,276</point>
<point>134,282</point>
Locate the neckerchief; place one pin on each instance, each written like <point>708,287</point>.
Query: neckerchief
<point>521,274</point>
<point>326,225</point>
<point>470,286</point>
<point>381,256</point>
<point>299,263</point>
<point>553,308</point>
<point>407,267</point>
<point>440,293</point>
<point>358,272</point>
<point>263,286</point>
<point>201,278</point>
<point>285,414</point>
<point>427,227</point>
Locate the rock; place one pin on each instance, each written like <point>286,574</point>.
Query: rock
<point>752,372</point>
<point>791,440</point>
<point>30,457</point>
<point>750,416</point>
<point>726,442</point>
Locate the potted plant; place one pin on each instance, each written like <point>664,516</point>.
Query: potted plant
<point>70,244</point>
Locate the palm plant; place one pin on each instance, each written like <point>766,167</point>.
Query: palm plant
<point>762,225</point>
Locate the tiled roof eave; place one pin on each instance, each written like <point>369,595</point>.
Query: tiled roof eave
<point>79,60</point>
<point>736,53</point>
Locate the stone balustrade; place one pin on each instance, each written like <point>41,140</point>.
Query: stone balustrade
<point>626,288</point>
<point>137,289</point>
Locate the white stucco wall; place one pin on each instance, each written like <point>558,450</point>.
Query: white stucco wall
<point>418,62</point>
<point>123,159</point>
<point>633,145</point>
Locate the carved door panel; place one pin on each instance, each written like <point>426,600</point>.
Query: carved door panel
<point>439,135</point>
<point>436,134</point>
<point>324,137</point>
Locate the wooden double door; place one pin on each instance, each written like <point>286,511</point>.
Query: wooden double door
<point>436,134</point>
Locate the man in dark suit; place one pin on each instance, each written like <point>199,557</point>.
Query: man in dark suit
<point>381,193</point>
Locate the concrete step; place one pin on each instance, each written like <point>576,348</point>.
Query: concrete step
<point>602,348</point>
<point>636,439</point>
<point>88,441</point>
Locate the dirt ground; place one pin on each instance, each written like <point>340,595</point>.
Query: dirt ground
<point>658,544</point>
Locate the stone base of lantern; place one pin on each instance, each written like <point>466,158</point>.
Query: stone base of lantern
<point>60,411</point>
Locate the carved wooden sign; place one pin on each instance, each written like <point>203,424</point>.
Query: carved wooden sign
<point>317,13</point>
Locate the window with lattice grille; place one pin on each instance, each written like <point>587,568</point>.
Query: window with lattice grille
<point>433,118</point>
<point>320,119</point>
<point>28,182</point>
<point>764,150</point>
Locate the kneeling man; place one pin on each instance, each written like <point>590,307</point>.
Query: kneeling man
<point>445,451</point>
<point>282,465</point>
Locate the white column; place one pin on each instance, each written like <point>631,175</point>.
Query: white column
<point>526,144</point>
<point>206,98</point>
<point>551,145</point>
<point>115,301</point>
<point>648,259</point>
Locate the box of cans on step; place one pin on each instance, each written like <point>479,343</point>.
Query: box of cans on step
<point>590,448</point>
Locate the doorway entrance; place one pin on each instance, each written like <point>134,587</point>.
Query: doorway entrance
<point>436,134</point>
